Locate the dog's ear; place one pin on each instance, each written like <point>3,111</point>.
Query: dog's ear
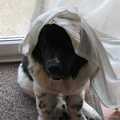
<point>36,53</point>
<point>42,37</point>
<point>78,64</point>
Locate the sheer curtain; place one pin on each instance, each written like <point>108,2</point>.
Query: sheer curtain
<point>106,21</point>
<point>103,17</point>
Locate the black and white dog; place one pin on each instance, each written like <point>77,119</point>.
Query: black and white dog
<point>51,78</point>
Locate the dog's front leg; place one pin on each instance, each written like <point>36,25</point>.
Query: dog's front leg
<point>45,102</point>
<point>74,104</point>
<point>46,105</point>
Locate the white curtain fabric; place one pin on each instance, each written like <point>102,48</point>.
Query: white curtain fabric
<point>103,16</point>
<point>106,21</point>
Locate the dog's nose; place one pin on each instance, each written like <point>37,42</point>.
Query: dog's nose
<point>54,69</point>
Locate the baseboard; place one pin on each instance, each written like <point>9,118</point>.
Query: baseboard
<point>9,49</point>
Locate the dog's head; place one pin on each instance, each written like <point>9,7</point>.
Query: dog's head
<point>55,52</point>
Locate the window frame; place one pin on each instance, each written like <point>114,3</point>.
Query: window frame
<point>9,48</point>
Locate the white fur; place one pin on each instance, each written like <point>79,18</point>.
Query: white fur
<point>25,82</point>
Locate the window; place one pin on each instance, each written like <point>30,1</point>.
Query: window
<point>15,17</point>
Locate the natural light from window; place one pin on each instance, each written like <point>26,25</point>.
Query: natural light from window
<point>15,16</point>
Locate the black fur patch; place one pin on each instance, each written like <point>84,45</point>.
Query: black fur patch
<point>25,67</point>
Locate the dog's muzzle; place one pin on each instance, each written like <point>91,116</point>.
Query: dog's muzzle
<point>54,69</point>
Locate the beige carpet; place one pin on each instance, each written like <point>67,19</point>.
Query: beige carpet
<point>14,104</point>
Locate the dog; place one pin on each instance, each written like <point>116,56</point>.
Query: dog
<point>51,77</point>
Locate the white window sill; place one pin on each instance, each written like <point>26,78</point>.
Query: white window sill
<point>9,49</point>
